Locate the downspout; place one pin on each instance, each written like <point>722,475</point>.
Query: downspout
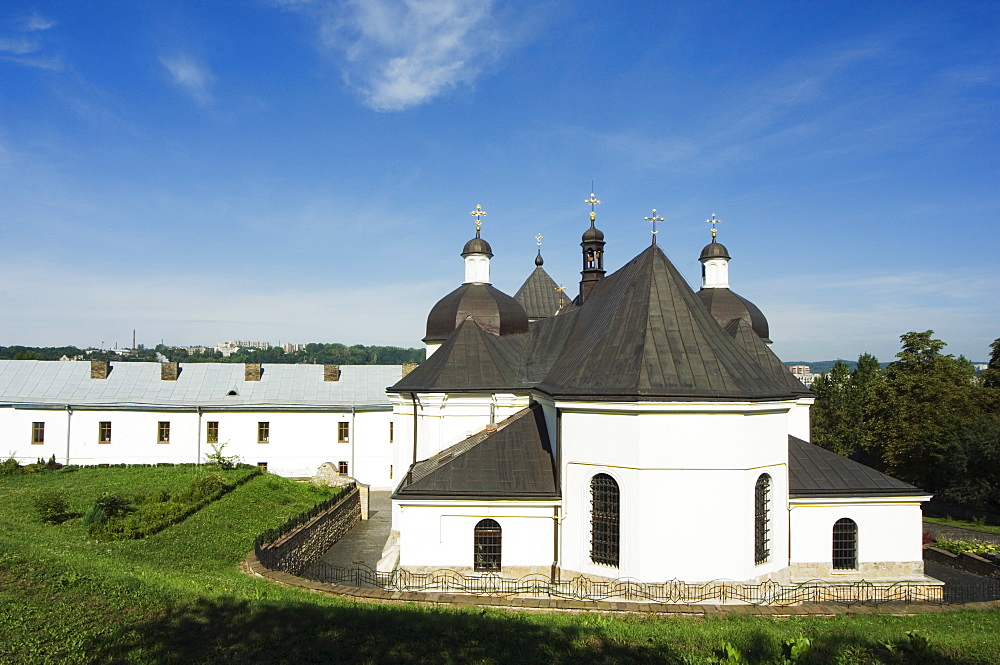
<point>197,460</point>
<point>556,532</point>
<point>354,434</point>
<point>69,424</point>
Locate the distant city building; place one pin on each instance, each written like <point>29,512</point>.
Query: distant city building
<point>292,348</point>
<point>803,373</point>
<point>228,348</point>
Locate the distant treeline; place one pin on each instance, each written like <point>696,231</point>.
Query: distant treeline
<point>322,354</point>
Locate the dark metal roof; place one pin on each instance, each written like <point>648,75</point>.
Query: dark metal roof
<point>469,360</point>
<point>643,334</point>
<point>755,346</point>
<point>816,472</point>
<point>726,306</point>
<point>593,233</point>
<point>513,462</point>
<point>477,246</point>
<point>539,295</point>
<point>714,250</point>
<point>493,310</point>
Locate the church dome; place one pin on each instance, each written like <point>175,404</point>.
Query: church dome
<point>726,306</point>
<point>491,308</point>
<point>477,246</point>
<point>714,250</point>
<point>593,233</point>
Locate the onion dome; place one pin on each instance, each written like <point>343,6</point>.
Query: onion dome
<point>494,311</point>
<point>477,246</point>
<point>714,250</point>
<point>539,261</point>
<point>593,233</point>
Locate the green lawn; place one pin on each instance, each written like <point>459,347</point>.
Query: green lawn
<point>178,597</point>
<point>975,526</point>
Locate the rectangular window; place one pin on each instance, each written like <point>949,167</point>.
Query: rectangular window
<point>212,433</point>
<point>104,431</point>
<point>343,432</point>
<point>262,465</point>
<point>342,468</point>
<point>163,431</point>
<point>37,434</point>
<point>263,432</point>
<point>390,431</point>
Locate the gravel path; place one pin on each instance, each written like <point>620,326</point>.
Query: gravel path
<point>958,533</point>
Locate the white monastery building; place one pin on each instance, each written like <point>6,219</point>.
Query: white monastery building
<point>637,430</point>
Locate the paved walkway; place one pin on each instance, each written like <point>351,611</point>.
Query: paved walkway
<point>958,533</point>
<point>363,544</point>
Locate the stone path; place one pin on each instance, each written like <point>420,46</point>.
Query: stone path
<point>363,544</point>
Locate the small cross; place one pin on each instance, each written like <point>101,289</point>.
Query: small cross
<point>654,219</point>
<point>713,221</point>
<point>560,289</point>
<point>478,214</point>
<point>592,201</point>
<point>538,239</point>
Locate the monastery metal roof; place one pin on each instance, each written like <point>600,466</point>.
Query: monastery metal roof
<point>138,384</point>
<point>817,472</point>
<point>539,295</point>
<point>755,346</point>
<point>726,306</point>
<point>495,311</point>
<point>513,462</point>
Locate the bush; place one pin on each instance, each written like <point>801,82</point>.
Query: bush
<point>9,467</point>
<point>51,506</point>
<point>106,508</point>
<point>204,488</point>
<point>52,464</point>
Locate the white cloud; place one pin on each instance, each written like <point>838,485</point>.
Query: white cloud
<point>18,46</point>
<point>403,53</point>
<point>191,76</point>
<point>37,22</point>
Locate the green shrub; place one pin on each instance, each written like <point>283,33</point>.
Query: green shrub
<point>204,488</point>
<point>9,467</point>
<point>105,508</point>
<point>960,546</point>
<point>51,506</point>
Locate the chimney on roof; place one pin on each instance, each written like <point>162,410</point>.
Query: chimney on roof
<point>331,372</point>
<point>99,369</point>
<point>409,367</point>
<point>169,371</point>
<point>252,372</point>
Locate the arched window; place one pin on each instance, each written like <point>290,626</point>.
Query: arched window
<point>761,519</point>
<point>486,545</point>
<point>845,544</point>
<point>605,510</point>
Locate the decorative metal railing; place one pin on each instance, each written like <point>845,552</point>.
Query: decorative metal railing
<point>719,592</point>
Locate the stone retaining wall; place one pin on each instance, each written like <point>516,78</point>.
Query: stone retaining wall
<point>303,546</point>
<point>970,563</point>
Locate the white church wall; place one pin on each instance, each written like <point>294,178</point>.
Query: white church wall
<point>297,442</point>
<point>687,474</point>
<point>799,423</point>
<point>439,534</point>
<point>889,543</point>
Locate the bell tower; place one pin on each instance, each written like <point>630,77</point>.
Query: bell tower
<point>593,253</point>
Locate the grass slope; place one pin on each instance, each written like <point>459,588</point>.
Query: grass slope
<point>178,597</point>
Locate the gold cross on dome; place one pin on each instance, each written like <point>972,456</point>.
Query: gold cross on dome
<point>538,239</point>
<point>592,201</point>
<point>478,213</point>
<point>713,221</point>
<point>560,289</point>
<point>654,219</point>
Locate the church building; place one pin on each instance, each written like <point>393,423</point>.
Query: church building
<point>638,430</point>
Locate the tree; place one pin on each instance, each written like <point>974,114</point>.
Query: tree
<point>991,376</point>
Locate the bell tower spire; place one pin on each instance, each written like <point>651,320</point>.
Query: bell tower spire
<point>477,253</point>
<point>593,253</point>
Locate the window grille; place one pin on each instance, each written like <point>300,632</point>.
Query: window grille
<point>163,432</point>
<point>486,546</point>
<point>605,520</point>
<point>845,544</point>
<point>263,432</point>
<point>343,432</point>
<point>104,431</point>
<point>37,433</point>
<point>212,433</point>
<point>762,519</point>
<point>342,468</point>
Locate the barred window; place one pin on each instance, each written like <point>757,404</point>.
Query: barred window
<point>263,432</point>
<point>845,544</point>
<point>486,545</point>
<point>762,519</point>
<point>212,433</point>
<point>37,433</point>
<point>104,431</point>
<point>163,432</point>
<point>605,508</point>
<point>343,432</point>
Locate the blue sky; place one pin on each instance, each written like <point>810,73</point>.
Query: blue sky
<point>303,171</point>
